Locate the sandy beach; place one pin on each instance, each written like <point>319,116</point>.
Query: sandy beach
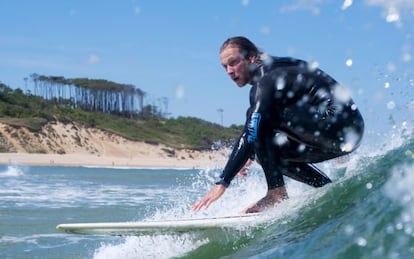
<point>204,160</point>
<point>70,145</point>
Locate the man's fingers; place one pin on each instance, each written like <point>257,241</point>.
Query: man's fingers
<point>197,206</point>
<point>209,198</point>
<point>200,204</point>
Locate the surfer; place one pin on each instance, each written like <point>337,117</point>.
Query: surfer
<point>298,115</point>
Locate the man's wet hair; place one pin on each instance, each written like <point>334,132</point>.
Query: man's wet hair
<point>246,47</point>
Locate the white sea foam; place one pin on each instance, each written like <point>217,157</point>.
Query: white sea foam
<point>400,189</point>
<point>58,194</point>
<point>159,246</point>
<point>243,192</point>
<point>12,171</point>
<point>35,239</point>
<point>134,167</point>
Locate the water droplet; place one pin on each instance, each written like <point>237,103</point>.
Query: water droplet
<point>301,148</point>
<point>346,4</point>
<point>390,105</point>
<point>361,241</point>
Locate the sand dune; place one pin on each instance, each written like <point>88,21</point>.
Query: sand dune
<point>72,145</point>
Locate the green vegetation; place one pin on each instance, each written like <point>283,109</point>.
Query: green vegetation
<point>33,112</point>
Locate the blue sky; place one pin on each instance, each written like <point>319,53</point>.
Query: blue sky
<point>170,48</point>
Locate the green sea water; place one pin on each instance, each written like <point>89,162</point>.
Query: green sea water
<point>367,212</point>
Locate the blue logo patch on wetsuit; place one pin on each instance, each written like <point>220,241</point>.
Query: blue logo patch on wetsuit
<point>252,127</point>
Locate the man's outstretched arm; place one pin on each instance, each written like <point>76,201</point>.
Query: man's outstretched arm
<point>214,194</point>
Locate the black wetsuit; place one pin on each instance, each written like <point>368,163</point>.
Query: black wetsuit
<point>298,115</point>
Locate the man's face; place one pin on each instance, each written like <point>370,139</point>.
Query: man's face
<point>236,66</point>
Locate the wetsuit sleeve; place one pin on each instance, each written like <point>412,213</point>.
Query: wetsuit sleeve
<point>244,146</point>
<point>241,153</point>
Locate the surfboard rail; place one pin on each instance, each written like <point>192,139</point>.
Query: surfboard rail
<point>161,226</point>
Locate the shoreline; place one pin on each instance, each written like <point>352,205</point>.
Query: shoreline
<point>205,160</point>
<point>60,144</point>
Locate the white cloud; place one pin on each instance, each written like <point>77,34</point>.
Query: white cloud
<point>93,59</point>
<point>265,30</point>
<point>245,2</point>
<point>304,5</point>
<point>394,10</point>
<point>346,4</point>
<point>179,91</point>
<point>135,8</point>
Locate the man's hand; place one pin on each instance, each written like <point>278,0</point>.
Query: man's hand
<point>214,194</point>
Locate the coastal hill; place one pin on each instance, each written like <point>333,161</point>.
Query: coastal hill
<point>32,124</point>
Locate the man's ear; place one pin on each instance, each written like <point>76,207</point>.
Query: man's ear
<point>252,59</point>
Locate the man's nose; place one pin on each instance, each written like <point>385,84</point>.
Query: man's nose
<point>230,70</point>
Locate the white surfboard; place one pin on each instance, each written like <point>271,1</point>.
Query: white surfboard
<point>161,226</point>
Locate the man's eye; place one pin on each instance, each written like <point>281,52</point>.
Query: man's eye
<point>234,62</point>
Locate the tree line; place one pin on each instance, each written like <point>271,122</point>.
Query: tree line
<point>94,95</point>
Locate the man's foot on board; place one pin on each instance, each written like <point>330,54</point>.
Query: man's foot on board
<point>272,197</point>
